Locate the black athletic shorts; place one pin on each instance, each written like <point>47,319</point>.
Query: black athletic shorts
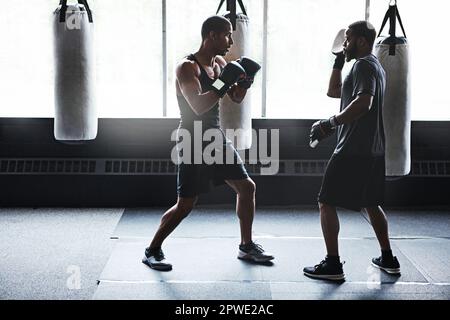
<point>195,179</point>
<point>354,182</point>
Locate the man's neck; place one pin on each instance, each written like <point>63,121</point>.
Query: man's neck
<point>206,57</point>
<point>364,53</point>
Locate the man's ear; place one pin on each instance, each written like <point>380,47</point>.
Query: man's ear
<point>212,35</point>
<point>361,42</point>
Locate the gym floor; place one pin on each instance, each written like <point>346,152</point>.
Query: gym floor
<point>83,254</point>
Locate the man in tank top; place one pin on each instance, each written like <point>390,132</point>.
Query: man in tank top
<point>203,79</point>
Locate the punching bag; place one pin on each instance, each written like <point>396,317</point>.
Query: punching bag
<point>393,54</point>
<point>76,117</point>
<point>233,116</point>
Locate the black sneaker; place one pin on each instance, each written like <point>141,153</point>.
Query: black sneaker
<point>391,266</point>
<point>326,270</point>
<point>254,252</point>
<point>155,259</point>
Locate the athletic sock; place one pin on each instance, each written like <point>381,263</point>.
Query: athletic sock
<point>333,259</point>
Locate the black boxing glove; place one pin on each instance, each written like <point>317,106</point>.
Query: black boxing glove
<point>322,130</point>
<point>339,61</point>
<point>231,73</point>
<point>251,69</point>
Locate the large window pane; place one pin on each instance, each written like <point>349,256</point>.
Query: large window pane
<point>300,36</point>
<point>426,27</point>
<point>129,55</point>
<point>184,22</point>
<point>26,51</point>
<point>128,48</point>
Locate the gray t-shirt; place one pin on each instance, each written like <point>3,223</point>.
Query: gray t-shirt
<point>365,136</point>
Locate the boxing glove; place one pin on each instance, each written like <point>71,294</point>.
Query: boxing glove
<point>339,61</point>
<point>231,73</point>
<point>322,130</point>
<point>251,69</point>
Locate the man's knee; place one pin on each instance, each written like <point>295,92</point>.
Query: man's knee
<point>247,189</point>
<point>373,210</point>
<point>185,206</point>
<point>325,208</point>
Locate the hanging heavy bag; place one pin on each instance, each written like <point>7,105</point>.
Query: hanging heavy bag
<point>233,116</point>
<point>76,117</point>
<point>393,54</point>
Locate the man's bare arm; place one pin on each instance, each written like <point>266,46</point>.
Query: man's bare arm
<point>192,90</point>
<point>335,85</point>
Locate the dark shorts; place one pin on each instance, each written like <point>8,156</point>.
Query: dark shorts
<point>195,179</point>
<point>354,182</point>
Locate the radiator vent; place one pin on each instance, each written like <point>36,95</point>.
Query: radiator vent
<point>431,169</point>
<point>159,167</point>
<point>313,168</point>
<point>47,166</point>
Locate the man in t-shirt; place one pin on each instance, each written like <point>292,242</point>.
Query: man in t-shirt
<point>355,175</point>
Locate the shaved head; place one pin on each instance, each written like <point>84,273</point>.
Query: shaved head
<point>216,24</point>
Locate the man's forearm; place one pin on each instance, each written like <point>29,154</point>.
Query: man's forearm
<point>335,85</point>
<point>204,102</point>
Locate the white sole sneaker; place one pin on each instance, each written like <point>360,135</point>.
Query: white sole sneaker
<point>162,267</point>
<point>334,277</point>
<point>245,256</point>
<point>388,270</point>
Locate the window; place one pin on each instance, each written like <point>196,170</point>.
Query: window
<point>426,28</point>
<point>136,57</point>
<point>128,50</point>
<point>26,78</point>
<point>184,22</point>
<point>299,59</point>
<point>129,54</point>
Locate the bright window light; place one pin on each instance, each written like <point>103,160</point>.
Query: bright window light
<point>184,22</point>
<point>128,55</point>
<point>26,59</point>
<point>427,36</point>
<point>300,37</point>
<point>129,50</point>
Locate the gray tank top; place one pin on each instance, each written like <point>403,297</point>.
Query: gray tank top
<point>209,119</point>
